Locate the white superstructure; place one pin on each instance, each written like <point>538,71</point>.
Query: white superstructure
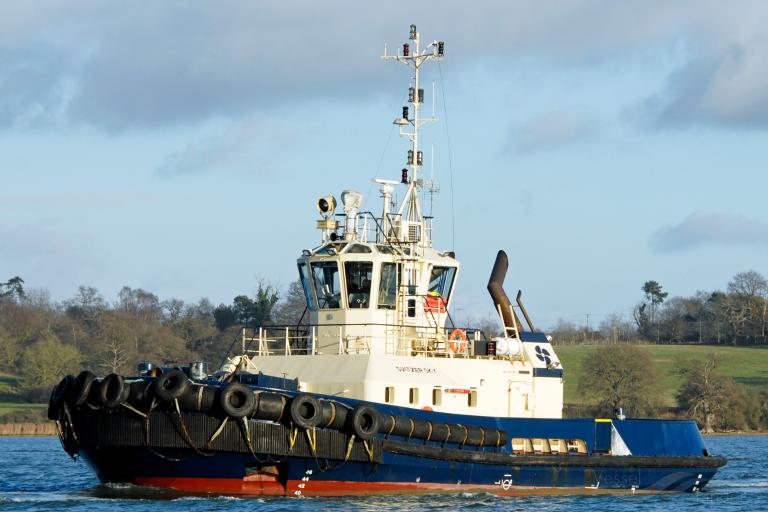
<point>379,297</point>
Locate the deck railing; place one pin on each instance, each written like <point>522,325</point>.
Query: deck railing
<point>367,338</point>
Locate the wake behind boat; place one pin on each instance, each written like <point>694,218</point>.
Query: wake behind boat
<point>378,391</point>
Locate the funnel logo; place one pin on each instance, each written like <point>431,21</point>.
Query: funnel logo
<point>543,355</point>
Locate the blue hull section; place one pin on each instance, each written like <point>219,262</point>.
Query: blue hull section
<point>230,473</point>
<point>664,456</point>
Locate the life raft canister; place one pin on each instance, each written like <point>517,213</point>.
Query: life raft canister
<point>458,341</point>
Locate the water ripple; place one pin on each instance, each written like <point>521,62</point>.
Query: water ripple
<point>36,475</point>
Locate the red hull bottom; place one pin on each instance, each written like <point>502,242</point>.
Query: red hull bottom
<point>261,486</point>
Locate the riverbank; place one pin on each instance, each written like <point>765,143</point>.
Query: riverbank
<point>750,433</point>
<point>49,429</point>
<point>28,429</point>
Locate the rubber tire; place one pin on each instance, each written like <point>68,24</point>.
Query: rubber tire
<point>139,393</point>
<point>271,407</point>
<point>199,398</point>
<point>306,411</point>
<point>58,395</point>
<point>81,388</point>
<point>171,385</point>
<point>113,391</point>
<point>364,422</point>
<point>237,400</point>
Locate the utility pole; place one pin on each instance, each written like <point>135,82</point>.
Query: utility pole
<point>588,331</point>
<point>699,329</point>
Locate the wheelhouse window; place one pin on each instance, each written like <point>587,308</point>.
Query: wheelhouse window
<point>307,287</point>
<point>359,249</point>
<point>441,281</point>
<point>325,275</point>
<point>388,285</point>
<point>359,275</point>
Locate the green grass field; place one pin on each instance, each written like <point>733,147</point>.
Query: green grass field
<point>9,400</point>
<point>746,365</point>
<point>6,407</point>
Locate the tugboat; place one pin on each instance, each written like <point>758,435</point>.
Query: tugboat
<point>378,391</point>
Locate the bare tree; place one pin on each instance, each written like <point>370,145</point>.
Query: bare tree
<point>706,395</point>
<point>748,284</point>
<point>292,309</point>
<point>115,356</point>
<point>615,328</point>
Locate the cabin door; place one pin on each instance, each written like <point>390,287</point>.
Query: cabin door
<point>516,398</point>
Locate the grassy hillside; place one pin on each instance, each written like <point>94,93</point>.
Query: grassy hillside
<point>746,365</point>
<point>9,400</point>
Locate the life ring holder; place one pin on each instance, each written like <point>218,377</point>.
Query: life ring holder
<point>457,341</point>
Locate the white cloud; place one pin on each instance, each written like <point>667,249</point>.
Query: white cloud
<point>174,62</point>
<point>709,228</point>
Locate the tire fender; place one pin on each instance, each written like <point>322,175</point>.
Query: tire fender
<point>171,385</point>
<point>58,395</point>
<point>306,411</point>
<point>113,391</point>
<point>364,422</point>
<point>81,387</point>
<point>237,400</point>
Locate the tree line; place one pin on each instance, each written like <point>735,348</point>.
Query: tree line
<point>736,316</point>
<point>41,340</point>
<point>624,376</point>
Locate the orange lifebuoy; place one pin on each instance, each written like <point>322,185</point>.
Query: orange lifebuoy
<point>458,341</point>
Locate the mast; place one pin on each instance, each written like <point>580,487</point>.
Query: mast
<point>410,209</point>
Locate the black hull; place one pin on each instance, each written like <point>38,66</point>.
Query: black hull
<point>266,458</point>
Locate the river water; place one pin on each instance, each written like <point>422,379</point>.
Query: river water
<point>36,475</point>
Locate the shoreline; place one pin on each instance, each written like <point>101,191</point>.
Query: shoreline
<point>726,434</point>
<point>49,429</point>
<point>27,429</point>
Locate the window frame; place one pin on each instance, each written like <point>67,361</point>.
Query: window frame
<point>307,284</point>
<point>445,294</point>
<point>321,263</point>
<point>345,285</point>
<point>398,277</point>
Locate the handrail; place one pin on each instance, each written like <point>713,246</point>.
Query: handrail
<point>431,341</point>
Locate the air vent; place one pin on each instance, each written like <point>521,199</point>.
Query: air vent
<point>414,232</point>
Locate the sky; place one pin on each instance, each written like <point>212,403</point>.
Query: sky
<point>180,146</point>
